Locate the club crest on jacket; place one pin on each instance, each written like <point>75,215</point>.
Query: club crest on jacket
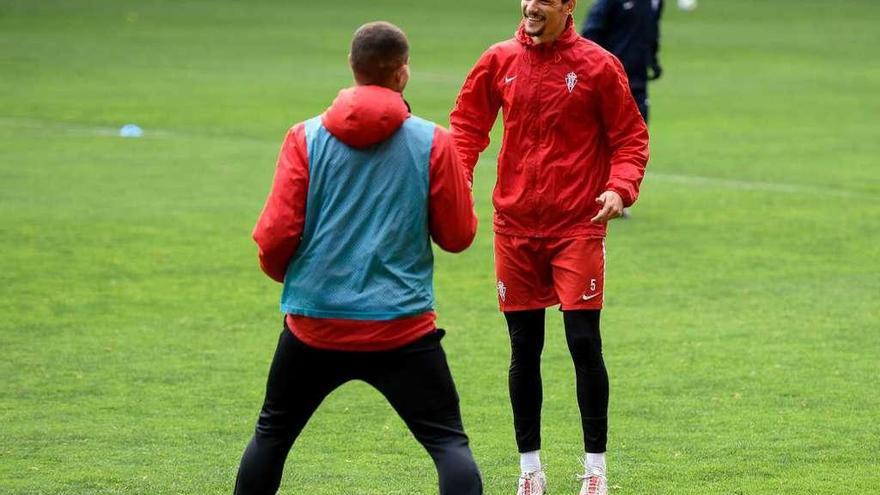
<point>570,80</point>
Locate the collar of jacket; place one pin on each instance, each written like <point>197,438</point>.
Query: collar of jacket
<point>362,116</point>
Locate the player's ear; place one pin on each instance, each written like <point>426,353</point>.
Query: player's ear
<point>402,76</point>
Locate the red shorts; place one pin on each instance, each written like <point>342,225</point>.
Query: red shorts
<point>536,273</point>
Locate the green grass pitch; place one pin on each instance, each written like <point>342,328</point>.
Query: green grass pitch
<point>742,325</point>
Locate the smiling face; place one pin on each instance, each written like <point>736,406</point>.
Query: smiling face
<point>545,19</point>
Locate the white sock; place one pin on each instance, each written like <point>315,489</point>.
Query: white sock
<point>594,462</point>
<point>529,462</point>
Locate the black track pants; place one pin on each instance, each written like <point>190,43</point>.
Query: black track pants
<point>415,380</point>
<point>641,97</point>
<point>526,395</point>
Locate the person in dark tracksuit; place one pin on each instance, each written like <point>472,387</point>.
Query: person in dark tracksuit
<point>630,29</point>
<point>359,194</point>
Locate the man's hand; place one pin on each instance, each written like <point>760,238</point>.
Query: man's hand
<point>655,71</point>
<point>612,207</point>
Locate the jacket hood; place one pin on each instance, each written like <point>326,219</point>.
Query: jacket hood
<point>568,37</point>
<point>362,116</point>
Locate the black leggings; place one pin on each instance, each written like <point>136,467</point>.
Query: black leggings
<point>415,380</point>
<point>526,394</point>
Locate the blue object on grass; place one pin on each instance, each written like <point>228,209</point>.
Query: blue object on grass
<point>131,131</point>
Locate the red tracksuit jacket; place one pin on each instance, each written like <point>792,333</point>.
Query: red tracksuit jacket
<point>360,117</point>
<point>571,132</point>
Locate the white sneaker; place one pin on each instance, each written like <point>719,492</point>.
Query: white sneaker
<point>595,483</point>
<point>534,483</point>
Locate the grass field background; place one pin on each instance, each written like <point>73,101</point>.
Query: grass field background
<point>742,323</point>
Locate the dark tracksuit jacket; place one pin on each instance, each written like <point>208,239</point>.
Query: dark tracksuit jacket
<point>630,29</point>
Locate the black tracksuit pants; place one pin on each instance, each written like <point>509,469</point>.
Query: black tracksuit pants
<point>640,94</point>
<point>415,380</point>
<point>526,393</point>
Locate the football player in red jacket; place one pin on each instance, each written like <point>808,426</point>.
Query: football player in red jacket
<point>573,156</point>
<point>359,193</point>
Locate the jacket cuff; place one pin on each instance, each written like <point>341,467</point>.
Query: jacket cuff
<point>624,193</point>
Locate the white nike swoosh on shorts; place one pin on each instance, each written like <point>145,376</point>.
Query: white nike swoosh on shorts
<point>587,298</point>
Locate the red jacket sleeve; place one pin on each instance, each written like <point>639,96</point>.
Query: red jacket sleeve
<point>280,226</point>
<point>453,222</point>
<point>626,132</point>
<point>475,112</point>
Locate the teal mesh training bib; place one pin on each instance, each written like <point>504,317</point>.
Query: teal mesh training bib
<point>366,250</point>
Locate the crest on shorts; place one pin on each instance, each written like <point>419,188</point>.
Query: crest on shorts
<point>502,290</point>
<point>570,80</point>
